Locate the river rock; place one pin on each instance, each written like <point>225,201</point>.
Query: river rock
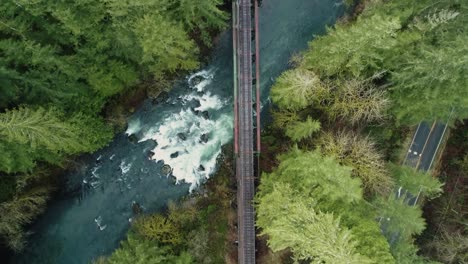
<point>206,115</point>
<point>196,80</point>
<point>194,111</point>
<point>132,138</point>
<point>196,103</point>
<point>182,136</point>
<point>204,138</point>
<point>136,208</point>
<point>175,155</point>
<point>201,168</point>
<point>161,98</point>
<point>166,169</point>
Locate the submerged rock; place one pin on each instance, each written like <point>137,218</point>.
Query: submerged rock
<point>161,98</point>
<point>132,138</point>
<point>136,208</point>
<point>166,169</point>
<point>196,103</point>
<point>182,136</point>
<point>201,168</point>
<point>196,80</point>
<point>194,111</point>
<point>204,138</point>
<point>206,115</point>
<point>175,155</point>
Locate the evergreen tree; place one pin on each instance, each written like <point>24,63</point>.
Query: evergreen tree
<point>44,128</point>
<point>135,250</point>
<point>431,81</point>
<point>358,49</point>
<point>321,177</point>
<point>417,181</point>
<point>15,157</point>
<point>301,130</point>
<point>199,16</point>
<point>165,45</point>
<point>290,221</point>
<point>400,220</point>
<point>19,212</point>
<point>295,89</point>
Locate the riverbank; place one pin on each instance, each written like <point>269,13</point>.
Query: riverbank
<point>102,93</point>
<point>201,224</point>
<point>121,173</point>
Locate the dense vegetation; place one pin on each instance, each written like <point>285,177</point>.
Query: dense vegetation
<point>446,238</point>
<point>342,114</point>
<point>195,230</point>
<point>62,63</point>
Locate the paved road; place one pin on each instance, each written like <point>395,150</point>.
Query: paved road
<point>425,144</point>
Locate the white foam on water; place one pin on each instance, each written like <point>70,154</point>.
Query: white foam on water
<point>207,101</point>
<point>125,167</point>
<point>206,75</point>
<point>134,126</point>
<point>188,142</point>
<point>192,152</point>
<point>94,172</point>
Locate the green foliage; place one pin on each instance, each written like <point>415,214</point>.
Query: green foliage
<point>165,45</point>
<point>16,157</point>
<point>19,212</point>
<point>418,50</point>
<point>294,89</point>
<point>356,101</point>
<point>198,245</point>
<point>60,64</point>
<point>290,221</point>
<point>369,239</point>
<point>45,128</point>
<point>199,16</point>
<point>417,181</point>
<point>135,250</point>
<point>360,154</point>
<point>7,187</point>
<point>405,252</point>
<point>158,228</point>
<point>281,119</point>
<point>438,75</point>
<point>301,130</point>
<point>404,58</point>
<point>320,177</point>
<point>358,49</point>
<point>32,135</point>
<point>399,218</point>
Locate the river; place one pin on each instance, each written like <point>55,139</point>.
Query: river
<point>185,131</point>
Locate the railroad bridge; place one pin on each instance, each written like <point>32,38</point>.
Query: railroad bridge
<point>246,120</point>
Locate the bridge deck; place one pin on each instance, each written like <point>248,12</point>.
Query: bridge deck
<point>244,130</point>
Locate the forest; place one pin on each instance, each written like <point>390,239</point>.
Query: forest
<point>342,115</point>
<point>345,110</point>
<point>67,70</point>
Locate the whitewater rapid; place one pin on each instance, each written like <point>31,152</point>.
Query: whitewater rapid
<point>189,140</point>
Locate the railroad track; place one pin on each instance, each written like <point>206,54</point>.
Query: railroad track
<point>246,65</point>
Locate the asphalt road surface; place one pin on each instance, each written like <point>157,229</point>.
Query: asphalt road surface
<point>425,144</point>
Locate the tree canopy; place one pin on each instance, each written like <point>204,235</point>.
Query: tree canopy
<point>65,65</point>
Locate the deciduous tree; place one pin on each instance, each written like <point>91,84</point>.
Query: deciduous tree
<point>360,154</point>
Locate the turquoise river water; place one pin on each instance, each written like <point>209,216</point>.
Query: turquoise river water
<point>185,131</point>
